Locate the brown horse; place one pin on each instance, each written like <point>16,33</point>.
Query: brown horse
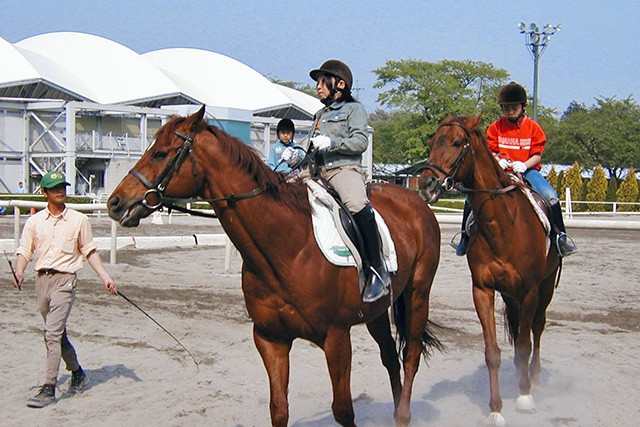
<point>291,291</point>
<point>507,252</point>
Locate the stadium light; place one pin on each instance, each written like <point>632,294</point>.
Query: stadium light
<point>536,40</point>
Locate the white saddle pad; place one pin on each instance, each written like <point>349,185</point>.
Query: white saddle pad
<point>332,240</point>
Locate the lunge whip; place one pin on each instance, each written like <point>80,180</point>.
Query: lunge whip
<point>12,270</point>
<point>154,321</point>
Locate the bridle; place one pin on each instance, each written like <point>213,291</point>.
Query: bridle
<point>157,187</point>
<point>449,181</point>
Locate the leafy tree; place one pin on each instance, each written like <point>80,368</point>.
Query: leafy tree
<point>302,87</point>
<point>628,191</point>
<point>597,190</point>
<point>573,180</point>
<point>421,94</point>
<point>607,134</point>
<point>573,107</point>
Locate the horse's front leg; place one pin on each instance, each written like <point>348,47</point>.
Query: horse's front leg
<point>523,350</point>
<point>337,350</point>
<point>483,298</point>
<point>275,356</point>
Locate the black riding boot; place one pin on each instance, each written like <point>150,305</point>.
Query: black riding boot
<point>461,249</point>
<point>378,279</point>
<point>564,243</point>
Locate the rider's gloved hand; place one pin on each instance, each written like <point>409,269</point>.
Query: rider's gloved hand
<point>504,163</point>
<point>519,167</point>
<point>289,154</point>
<point>321,142</point>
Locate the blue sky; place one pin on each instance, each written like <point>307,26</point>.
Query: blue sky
<point>595,54</point>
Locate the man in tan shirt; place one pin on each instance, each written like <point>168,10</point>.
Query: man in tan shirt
<point>60,237</point>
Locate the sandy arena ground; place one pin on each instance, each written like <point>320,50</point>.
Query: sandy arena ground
<point>140,376</point>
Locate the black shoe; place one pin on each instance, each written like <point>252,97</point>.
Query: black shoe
<point>463,246</point>
<point>45,396</point>
<point>565,245</point>
<point>377,285</point>
<point>79,381</point>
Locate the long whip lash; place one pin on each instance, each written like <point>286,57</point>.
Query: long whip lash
<point>154,321</point>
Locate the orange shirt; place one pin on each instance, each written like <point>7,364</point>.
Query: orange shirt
<point>516,142</point>
<point>60,241</point>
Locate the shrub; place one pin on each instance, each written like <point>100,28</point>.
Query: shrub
<point>573,180</point>
<point>628,192</point>
<point>597,190</point>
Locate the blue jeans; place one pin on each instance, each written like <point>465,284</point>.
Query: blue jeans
<point>540,184</point>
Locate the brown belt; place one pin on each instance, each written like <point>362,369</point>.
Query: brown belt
<point>49,271</point>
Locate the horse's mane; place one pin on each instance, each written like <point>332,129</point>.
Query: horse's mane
<point>291,194</point>
<point>503,177</point>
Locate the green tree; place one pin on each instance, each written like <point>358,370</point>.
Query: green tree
<point>421,94</point>
<point>607,134</point>
<point>628,191</point>
<point>573,180</point>
<point>597,190</point>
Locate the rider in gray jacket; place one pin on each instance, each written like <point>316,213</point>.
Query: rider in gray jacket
<point>339,133</point>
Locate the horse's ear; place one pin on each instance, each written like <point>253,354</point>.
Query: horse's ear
<point>474,121</point>
<point>196,117</point>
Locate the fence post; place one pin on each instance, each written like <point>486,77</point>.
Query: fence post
<point>568,207</point>
<point>114,242</point>
<point>16,227</point>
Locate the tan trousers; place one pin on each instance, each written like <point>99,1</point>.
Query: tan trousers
<point>55,294</point>
<point>349,182</point>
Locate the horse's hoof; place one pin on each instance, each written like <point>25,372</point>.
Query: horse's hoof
<point>525,404</point>
<point>496,419</point>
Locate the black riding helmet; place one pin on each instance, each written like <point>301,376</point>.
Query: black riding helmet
<point>335,68</point>
<point>285,124</point>
<point>512,93</point>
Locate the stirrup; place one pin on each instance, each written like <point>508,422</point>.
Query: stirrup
<point>376,286</point>
<point>453,243</point>
<point>569,245</point>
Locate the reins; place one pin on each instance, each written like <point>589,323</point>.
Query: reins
<point>171,203</point>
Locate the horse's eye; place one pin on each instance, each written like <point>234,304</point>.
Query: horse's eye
<point>457,143</point>
<point>159,155</point>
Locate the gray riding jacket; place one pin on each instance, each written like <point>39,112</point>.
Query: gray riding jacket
<point>345,123</point>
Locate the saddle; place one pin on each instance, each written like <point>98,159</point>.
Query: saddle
<point>337,235</point>
<point>539,204</point>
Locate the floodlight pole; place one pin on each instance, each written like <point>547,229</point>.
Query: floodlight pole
<point>536,40</point>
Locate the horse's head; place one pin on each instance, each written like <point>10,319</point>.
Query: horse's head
<point>450,157</point>
<point>167,168</point>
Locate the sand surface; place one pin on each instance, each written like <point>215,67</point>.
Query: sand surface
<point>140,376</point>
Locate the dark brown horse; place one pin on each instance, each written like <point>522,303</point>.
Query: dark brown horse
<point>290,289</point>
<point>507,252</point>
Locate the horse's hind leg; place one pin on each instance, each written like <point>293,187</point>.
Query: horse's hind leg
<point>275,356</point>
<point>380,330</point>
<point>539,320</point>
<point>337,350</point>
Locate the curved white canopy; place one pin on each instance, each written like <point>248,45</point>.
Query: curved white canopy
<point>110,72</point>
<point>216,79</point>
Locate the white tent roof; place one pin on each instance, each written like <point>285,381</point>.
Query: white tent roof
<point>15,67</point>
<point>301,99</point>
<point>216,79</point>
<point>100,69</point>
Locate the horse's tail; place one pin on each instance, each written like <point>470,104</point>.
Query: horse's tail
<point>429,341</point>
<point>511,315</point>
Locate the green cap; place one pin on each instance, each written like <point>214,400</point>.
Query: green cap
<point>53,178</point>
